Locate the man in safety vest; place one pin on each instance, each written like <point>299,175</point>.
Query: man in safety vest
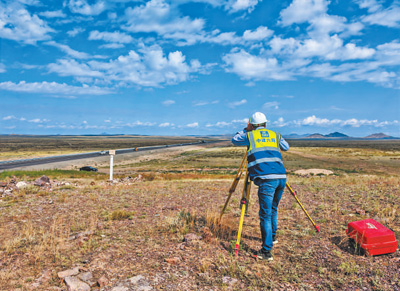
<point>266,170</point>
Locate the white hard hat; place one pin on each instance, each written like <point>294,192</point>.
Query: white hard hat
<point>258,118</point>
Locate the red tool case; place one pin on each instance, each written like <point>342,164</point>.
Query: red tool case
<point>373,237</point>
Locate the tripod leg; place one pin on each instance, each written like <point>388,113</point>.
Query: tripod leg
<point>243,203</point>
<point>301,205</point>
<point>235,182</point>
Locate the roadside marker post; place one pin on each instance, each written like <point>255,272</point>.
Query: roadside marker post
<point>112,154</point>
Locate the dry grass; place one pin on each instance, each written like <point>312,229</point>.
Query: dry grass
<point>124,230</point>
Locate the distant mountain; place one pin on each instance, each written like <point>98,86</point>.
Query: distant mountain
<point>379,136</point>
<point>336,134</point>
<point>316,136</point>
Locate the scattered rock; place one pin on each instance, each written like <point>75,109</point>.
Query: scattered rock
<point>42,181</point>
<point>313,172</point>
<point>8,192</point>
<point>172,261</point>
<point>191,237</point>
<point>45,277</point>
<point>21,185</point>
<point>68,273</point>
<point>360,211</point>
<point>229,281</point>
<point>86,277</point>
<point>103,281</point>
<point>92,183</point>
<point>74,284</point>
<point>137,283</point>
<point>3,184</point>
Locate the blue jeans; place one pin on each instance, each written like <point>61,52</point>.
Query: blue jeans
<point>269,194</point>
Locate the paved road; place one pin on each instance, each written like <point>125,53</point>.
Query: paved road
<point>5,165</point>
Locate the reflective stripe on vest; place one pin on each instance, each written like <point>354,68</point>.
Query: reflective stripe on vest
<point>264,156</point>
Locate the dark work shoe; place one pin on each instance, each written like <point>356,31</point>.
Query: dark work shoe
<point>274,239</point>
<point>264,255</point>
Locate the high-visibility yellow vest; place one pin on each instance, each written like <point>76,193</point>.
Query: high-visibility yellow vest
<point>264,155</point>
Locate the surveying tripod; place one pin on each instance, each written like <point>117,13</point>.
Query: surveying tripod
<point>244,202</point>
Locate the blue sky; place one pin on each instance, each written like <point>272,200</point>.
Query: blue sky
<point>199,66</point>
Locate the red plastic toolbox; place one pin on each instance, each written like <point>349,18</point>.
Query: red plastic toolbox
<point>372,236</point>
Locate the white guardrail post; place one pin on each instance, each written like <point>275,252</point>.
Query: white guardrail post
<point>112,154</point>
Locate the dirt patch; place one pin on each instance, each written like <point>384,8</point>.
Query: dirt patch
<point>313,172</point>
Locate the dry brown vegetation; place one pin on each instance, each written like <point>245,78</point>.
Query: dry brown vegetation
<point>125,229</point>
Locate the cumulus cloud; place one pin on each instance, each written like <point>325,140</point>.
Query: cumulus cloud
<point>16,23</point>
<point>352,122</point>
<point>230,5</point>
<point>148,67</point>
<point>74,32</point>
<point>114,37</point>
<point>166,124</point>
<point>84,8</point>
<point>389,17</point>
<point>158,16</point>
<point>250,67</point>
<point>53,88</point>
<point>262,32</point>
<point>300,11</point>
<point>192,125</point>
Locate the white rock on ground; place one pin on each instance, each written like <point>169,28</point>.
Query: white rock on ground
<point>74,284</point>
<point>21,185</point>
<point>68,273</point>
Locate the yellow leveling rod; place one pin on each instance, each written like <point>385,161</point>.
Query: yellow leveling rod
<point>235,182</point>
<point>298,201</point>
<point>245,196</point>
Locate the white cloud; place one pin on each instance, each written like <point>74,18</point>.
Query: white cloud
<point>82,7</point>
<point>249,67</point>
<point>74,32</point>
<point>53,88</point>
<point>69,51</point>
<point>38,120</point>
<point>300,11</point>
<point>158,16</point>
<point>237,103</point>
<point>112,45</point>
<point>166,124</point>
<point>371,5</point>
<point>69,67</point>
<point>2,68</point>
<point>389,17</point>
<point>192,125</point>
<point>114,37</point>
<point>168,102</point>
<point>148,67</point>
<point>16,23</point>
<point>10,117</point>
<point>269,105</point>
<point>139,123</point>
<point>352,122</point>
<point>262,32</point>
<point>230,5</point>
<point>53,14</point>
<point>203,103</point>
